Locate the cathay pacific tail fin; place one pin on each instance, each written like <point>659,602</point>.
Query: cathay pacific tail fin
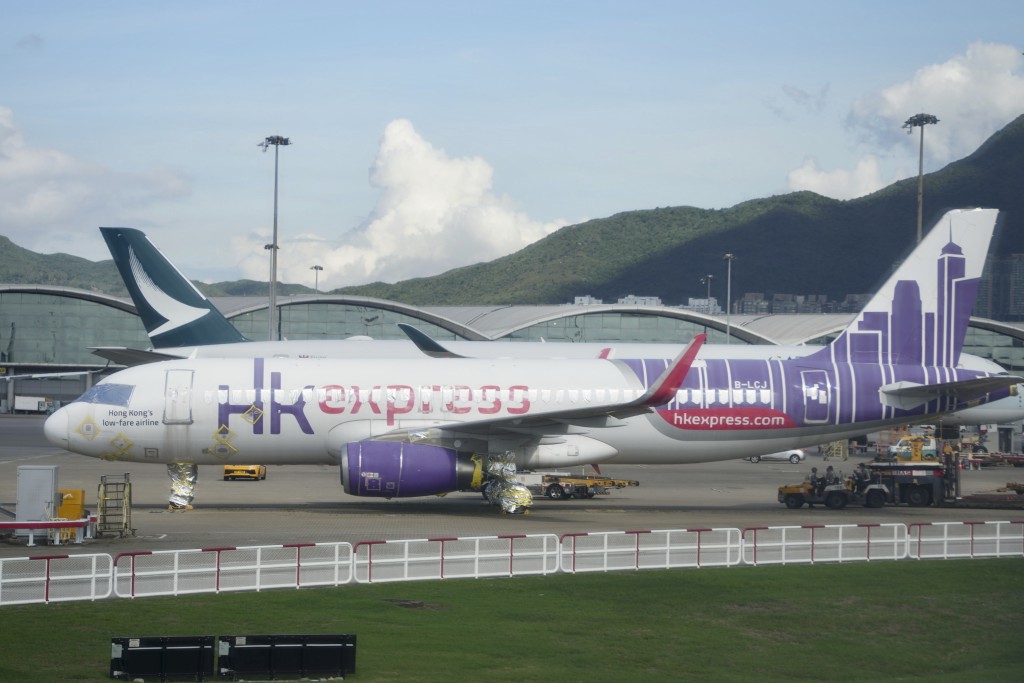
<point>920,316</point>
<point>174,312</point>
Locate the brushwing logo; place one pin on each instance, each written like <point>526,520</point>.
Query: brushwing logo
<point>167,307</point>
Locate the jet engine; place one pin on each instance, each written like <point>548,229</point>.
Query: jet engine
<point>403,470</point>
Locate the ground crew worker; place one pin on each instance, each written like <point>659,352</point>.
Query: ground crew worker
<point>815,481</point>
<point>861,478</point>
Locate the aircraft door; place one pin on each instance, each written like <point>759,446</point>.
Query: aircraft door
<point>178,397</point>
<point>817,391</point>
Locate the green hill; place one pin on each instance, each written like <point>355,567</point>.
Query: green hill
<point>799,243</point>
<point>20,266</point>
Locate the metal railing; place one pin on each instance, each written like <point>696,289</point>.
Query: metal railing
<point>450,558</point>
<point>662,549</point>
<point>216,570</point>
<point>814,543</point>
<point>55,578</point>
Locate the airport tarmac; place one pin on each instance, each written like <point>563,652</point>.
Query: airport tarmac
<point>306,504</point>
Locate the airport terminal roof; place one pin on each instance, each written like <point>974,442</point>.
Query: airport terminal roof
<point>495,322</point>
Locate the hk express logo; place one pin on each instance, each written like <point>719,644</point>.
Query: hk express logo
<point>389,402</point>
<point>265,402</point>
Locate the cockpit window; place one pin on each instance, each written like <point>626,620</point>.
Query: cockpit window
<point>108,394</point>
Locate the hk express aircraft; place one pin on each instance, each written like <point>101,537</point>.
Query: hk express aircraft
<point>183,323</point>
<point>421,426</point>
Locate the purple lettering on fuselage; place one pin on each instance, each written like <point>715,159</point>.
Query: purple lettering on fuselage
<point>254,410</point>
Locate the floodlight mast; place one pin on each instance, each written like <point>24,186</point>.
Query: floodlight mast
<point>707,280</point>
<point>276,141</point>
<point>919,120</point>
<point>728,258</point>
<point>316,277</point>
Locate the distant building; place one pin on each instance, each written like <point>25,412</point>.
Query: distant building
<point>752,303</point>
<point>587,300</point>
<point>632,300</point>
<point>705,306</point>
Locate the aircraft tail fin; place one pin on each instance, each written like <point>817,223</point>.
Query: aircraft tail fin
<point>920,315</point>
<point>174,312</point>
<point>426,343</point>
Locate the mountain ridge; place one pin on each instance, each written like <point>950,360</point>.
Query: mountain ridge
<point>799,243</point>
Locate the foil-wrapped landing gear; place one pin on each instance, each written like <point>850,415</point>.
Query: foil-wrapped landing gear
<point>503,489</point>
<point>183,485</point>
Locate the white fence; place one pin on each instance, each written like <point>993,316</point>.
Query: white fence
<point>667,549</point>
<point>54,578</point>
<point>215,570</point>
<point>948,540</point>
<point>452,558</point>
<point>58,578</point>
<point>820,543</point>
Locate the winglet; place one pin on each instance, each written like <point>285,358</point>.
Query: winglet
<point>425,343</point>
<point>665,387</point>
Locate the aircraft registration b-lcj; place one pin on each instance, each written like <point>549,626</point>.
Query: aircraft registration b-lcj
<point>421,426</point>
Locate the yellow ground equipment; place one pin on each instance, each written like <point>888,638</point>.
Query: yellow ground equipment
<point>72,506</point>
<point>253,472</point>
<point>835,496</point>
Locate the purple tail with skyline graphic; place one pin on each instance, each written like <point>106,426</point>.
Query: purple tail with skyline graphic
<point>920,316</point>
<point>896,362</point>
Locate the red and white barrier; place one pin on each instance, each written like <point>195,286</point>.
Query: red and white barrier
<point>83,528</point>
<point>661,549</point>
<point>216,570</point>
<point>451,558</point>
<point>813,543</point>
<point>55,578</point>
<point>299,565</point>
<point>949,540</point>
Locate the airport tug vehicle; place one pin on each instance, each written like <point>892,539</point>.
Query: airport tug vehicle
<point>850,490</point>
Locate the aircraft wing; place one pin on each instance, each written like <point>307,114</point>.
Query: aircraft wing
<point>566,421</point>
<point>41,375</point>
<point>123,355</point>
<point>907,395</point>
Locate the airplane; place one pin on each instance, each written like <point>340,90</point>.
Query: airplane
<point>183,323</point>
<point>401,427</point>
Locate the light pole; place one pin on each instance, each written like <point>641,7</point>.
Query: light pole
<point>276,141</point>
<point>919,120</point>
<point>270,275</point>
<point>728,258</point>
<point>707,280</point>
<point>316,277</point>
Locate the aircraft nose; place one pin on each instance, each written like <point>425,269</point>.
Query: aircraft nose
<point>56,428</point>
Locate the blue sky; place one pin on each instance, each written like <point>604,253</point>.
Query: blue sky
<point>429,135</point>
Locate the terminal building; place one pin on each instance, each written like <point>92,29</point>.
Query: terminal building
<point>47,332</point>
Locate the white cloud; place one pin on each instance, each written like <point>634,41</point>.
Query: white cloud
<point>433,213</point>
<point>973,95</point>
<point>840,183</point>
<point>48,197</point>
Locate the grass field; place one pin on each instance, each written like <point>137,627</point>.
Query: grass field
<point>889,621</point>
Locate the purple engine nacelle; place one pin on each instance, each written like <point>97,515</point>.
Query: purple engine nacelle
<point>403,470</point>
